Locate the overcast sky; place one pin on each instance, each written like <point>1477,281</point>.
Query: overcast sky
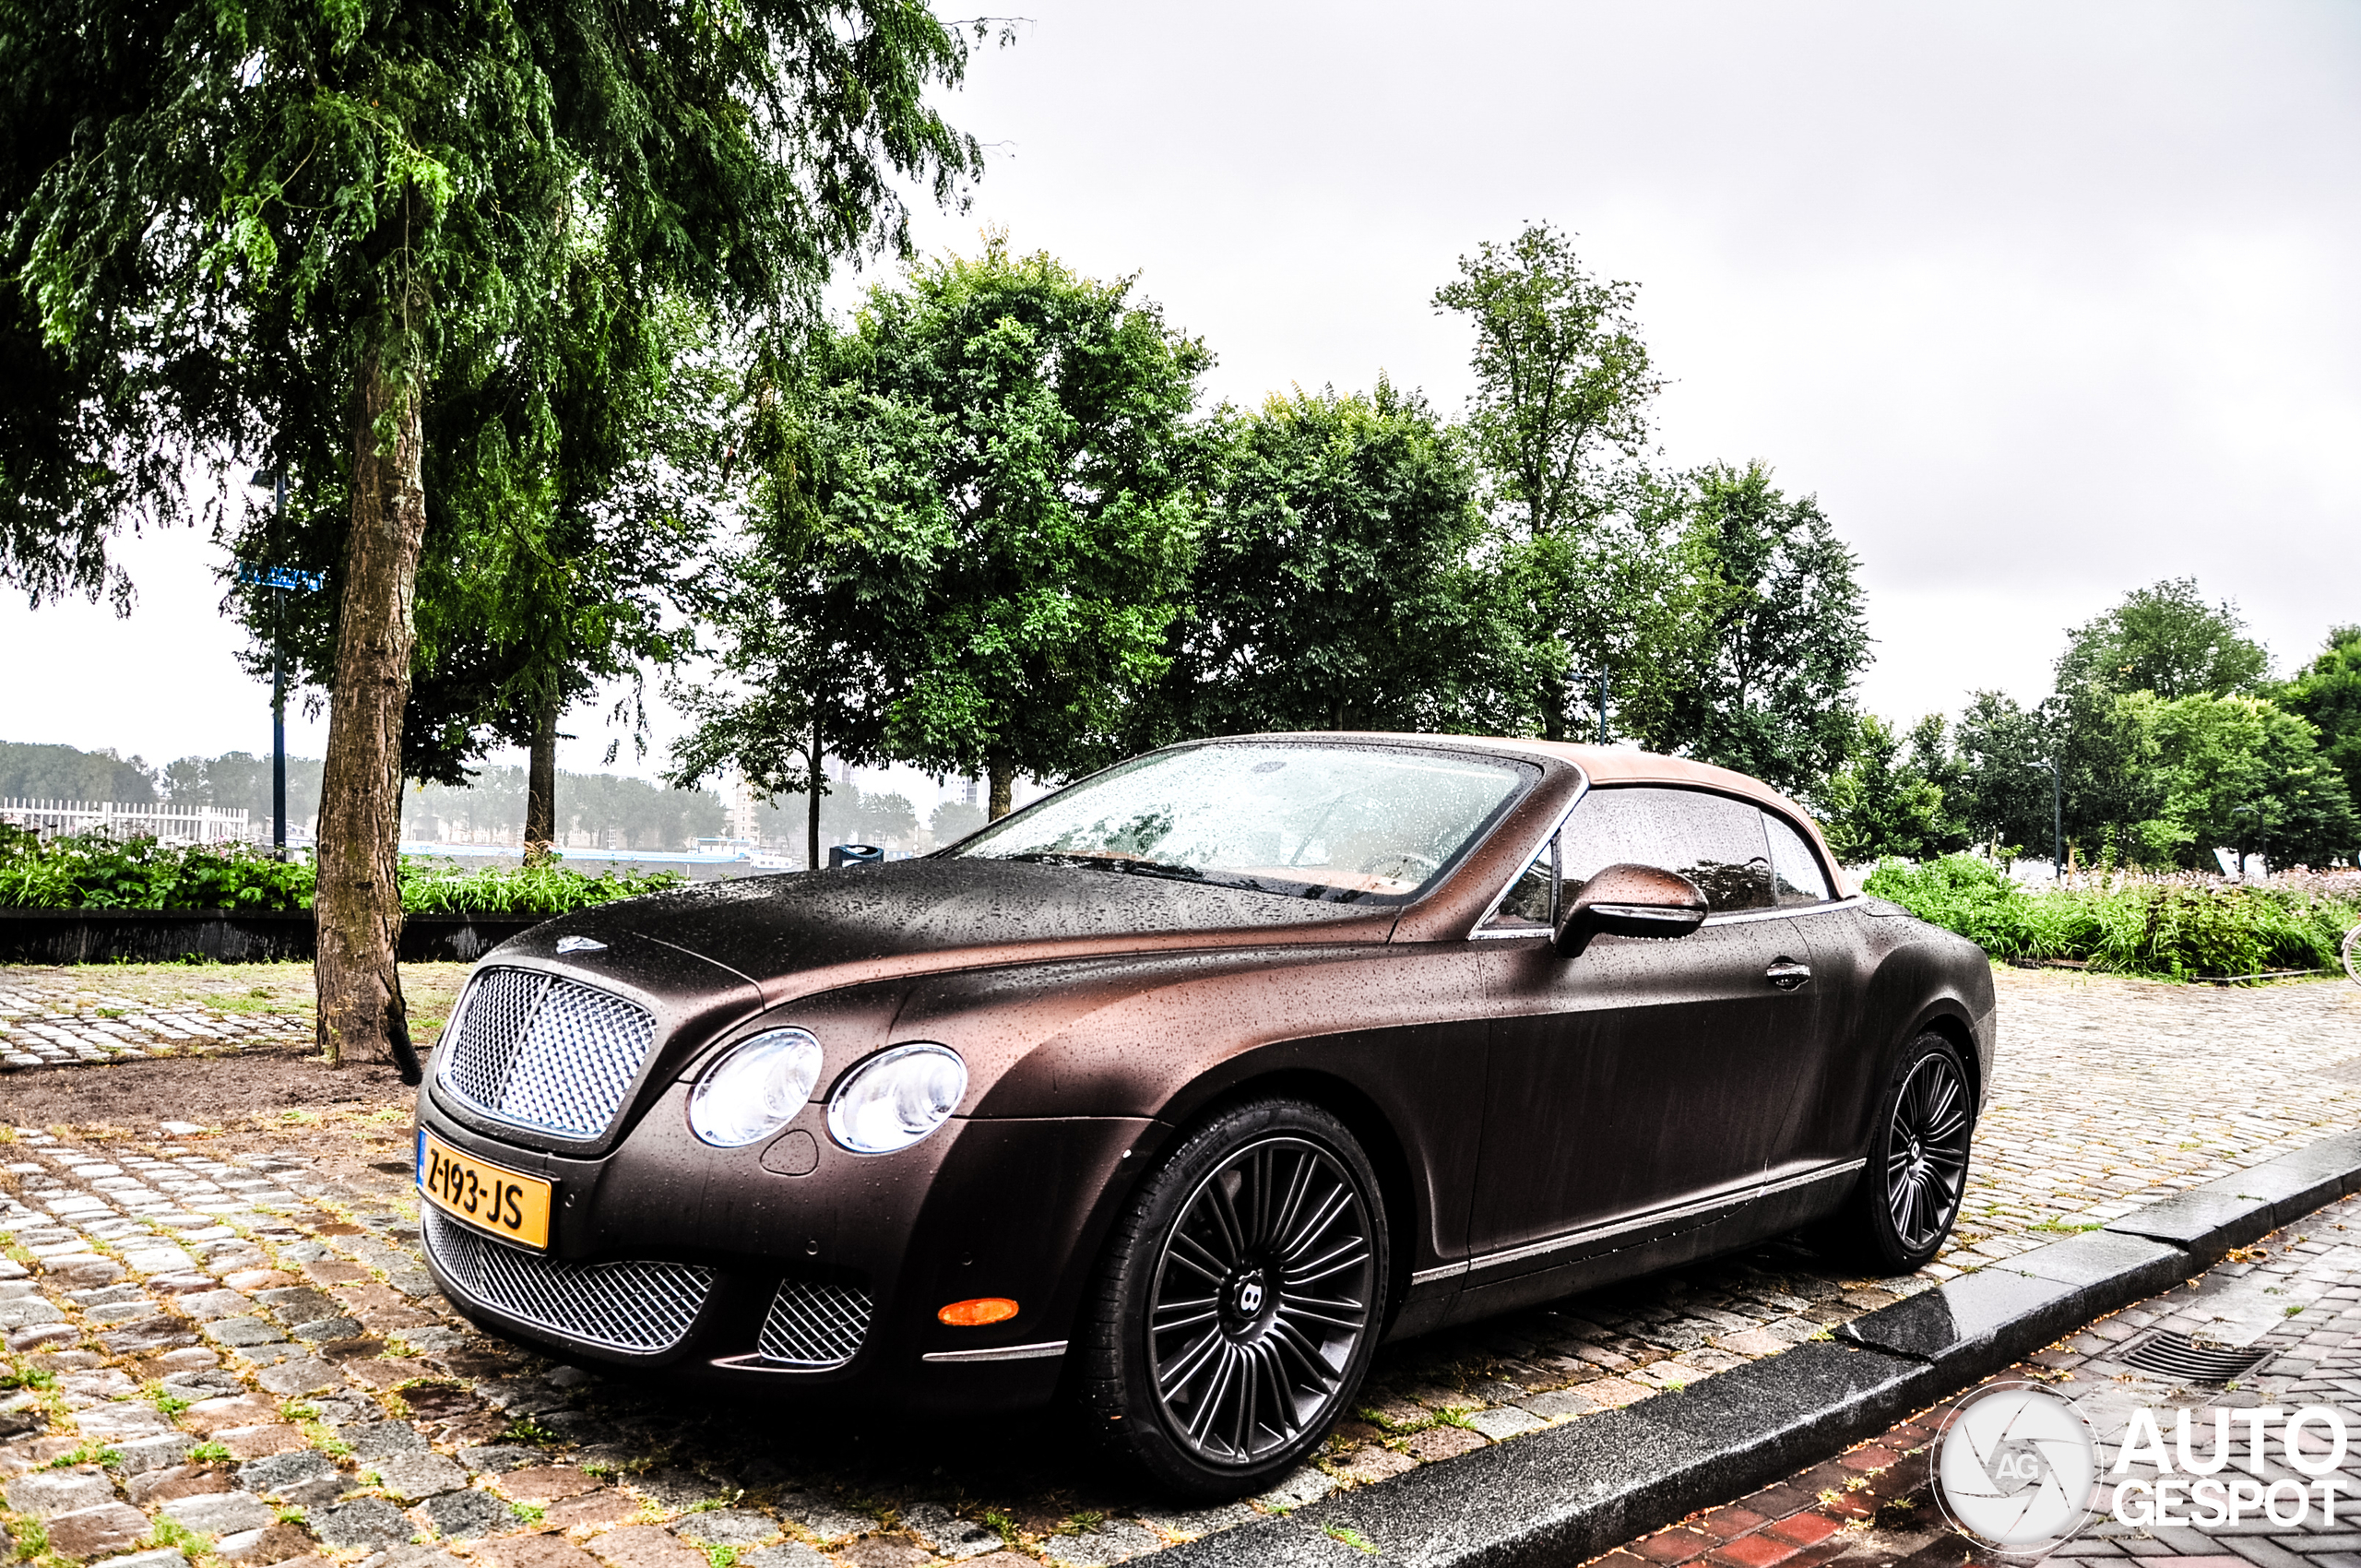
<point>2042,303</point>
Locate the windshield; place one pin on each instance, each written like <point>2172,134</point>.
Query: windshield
<point>1343,824</point>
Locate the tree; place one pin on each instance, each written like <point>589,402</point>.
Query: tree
<point>2235,771</point>
<point>1784,635</point>
<point>954,820</point>
<point>2166,640</point>
<point>1028,425</point>
<point>844,529</point>
<point>315,222</point>
<point>2327,693</point>
<point>1629,596</point>
<point>2001,791</point>
<point>1880,803</point>
<point>1336,584</point>
<point>67,773</point>
<point>1560,418</point>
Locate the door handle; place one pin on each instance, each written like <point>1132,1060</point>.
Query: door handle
<point>1787,974</point>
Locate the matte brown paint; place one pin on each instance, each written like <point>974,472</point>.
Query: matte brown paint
<point>1542,1124</point>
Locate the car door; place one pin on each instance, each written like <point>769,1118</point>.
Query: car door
<point>1642,1087</point>
<point>1840,1079</point>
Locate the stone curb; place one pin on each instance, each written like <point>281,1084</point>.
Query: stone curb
<point>1566,1494</point>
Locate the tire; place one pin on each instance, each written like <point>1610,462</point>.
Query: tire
<point>1238,1302</point>
<point>1909,1195</point>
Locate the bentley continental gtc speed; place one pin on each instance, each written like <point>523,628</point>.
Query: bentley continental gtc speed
<point>1180,1089</point>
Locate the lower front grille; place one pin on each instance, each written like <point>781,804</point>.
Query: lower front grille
<point>815,1326</point>
<point>640,1307</point>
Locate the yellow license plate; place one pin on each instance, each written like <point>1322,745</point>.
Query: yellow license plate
<point>508,1204</point>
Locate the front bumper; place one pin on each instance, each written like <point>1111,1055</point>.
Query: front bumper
<point>797,1267</point>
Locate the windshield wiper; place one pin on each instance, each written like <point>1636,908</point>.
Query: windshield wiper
<point>1129,864</point>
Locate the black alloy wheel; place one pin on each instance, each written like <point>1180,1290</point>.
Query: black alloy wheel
<point>1926,1152</point>
<point>1915,1175</point>
<point>1241,1300</point>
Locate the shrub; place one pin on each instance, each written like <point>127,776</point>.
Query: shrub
<point>2172,928</point>
<point>93,872</point>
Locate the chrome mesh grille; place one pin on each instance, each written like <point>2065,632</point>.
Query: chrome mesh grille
<point>815,1326</point>
<point>623,1306</point>
<point>545,1052</point>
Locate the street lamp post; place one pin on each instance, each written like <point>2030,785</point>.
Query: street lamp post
<point>280,579</point>
<point>278,684</point>
<point>1583,678</point>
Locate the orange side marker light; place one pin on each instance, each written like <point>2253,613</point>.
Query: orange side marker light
<point>978,1313</point>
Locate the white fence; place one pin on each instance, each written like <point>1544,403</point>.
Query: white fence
<point>173,824</point>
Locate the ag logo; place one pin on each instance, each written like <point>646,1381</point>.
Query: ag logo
<point>2016,1469</point>
<point>2016,1464</point>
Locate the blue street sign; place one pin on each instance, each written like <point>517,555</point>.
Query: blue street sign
<point>283,578</point>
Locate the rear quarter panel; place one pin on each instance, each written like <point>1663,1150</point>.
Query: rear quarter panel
<point>1888,979</point>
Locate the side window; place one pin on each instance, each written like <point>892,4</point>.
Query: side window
<point>1715,842</point>
<point>1794,871</point>
<point>1531,902</point>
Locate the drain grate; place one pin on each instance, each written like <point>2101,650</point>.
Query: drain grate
<point>2177,1355</point>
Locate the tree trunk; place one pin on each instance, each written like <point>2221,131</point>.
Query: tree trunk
<point>541,786</point>
<point>1003,777</point>
<point>358,904</point>
<point>1553,708</point>
<point>812,803</point>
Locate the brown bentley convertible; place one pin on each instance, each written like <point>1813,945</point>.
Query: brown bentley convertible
<point>1182,1087</point>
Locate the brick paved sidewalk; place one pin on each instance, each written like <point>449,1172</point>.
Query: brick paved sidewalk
<point>2294,1299</point>
<point>82,1020</point>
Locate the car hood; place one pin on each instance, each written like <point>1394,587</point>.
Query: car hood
<point>794,933</point>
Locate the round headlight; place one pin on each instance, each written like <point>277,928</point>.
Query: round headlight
<point>755,1089</point>
<point>892,1100</point>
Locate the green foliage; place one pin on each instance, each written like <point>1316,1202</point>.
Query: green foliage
<point>972,524</point>
<point>1563,381</point>
<point>1783,634</point>
<point>432,888</point>
<point>2167,928</point>
<point>2236,771</point>
<point>97,873</point>
<point>2164,639</point>
<point>217,222</point>
<point>1881,803</point>
<point>65,773</point>
<point>1337,584</point>
<point>1052,408</point>
<point>647,817</point>
<point>954,820</point>
<point>2327,693</point>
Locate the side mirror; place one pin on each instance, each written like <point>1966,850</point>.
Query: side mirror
<point>1630,900</point>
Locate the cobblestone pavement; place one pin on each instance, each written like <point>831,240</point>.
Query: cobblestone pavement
<point>2294,1299</point>
<point>250,1349</point>
<point>61,1023</point>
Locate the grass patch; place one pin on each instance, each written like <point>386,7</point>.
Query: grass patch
<point>109,1456</point>
<point>1351,1538</point>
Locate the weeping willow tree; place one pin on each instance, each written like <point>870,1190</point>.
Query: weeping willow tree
<point>302,237</point>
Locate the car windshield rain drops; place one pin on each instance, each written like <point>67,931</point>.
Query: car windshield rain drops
<point>1342,823</point>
